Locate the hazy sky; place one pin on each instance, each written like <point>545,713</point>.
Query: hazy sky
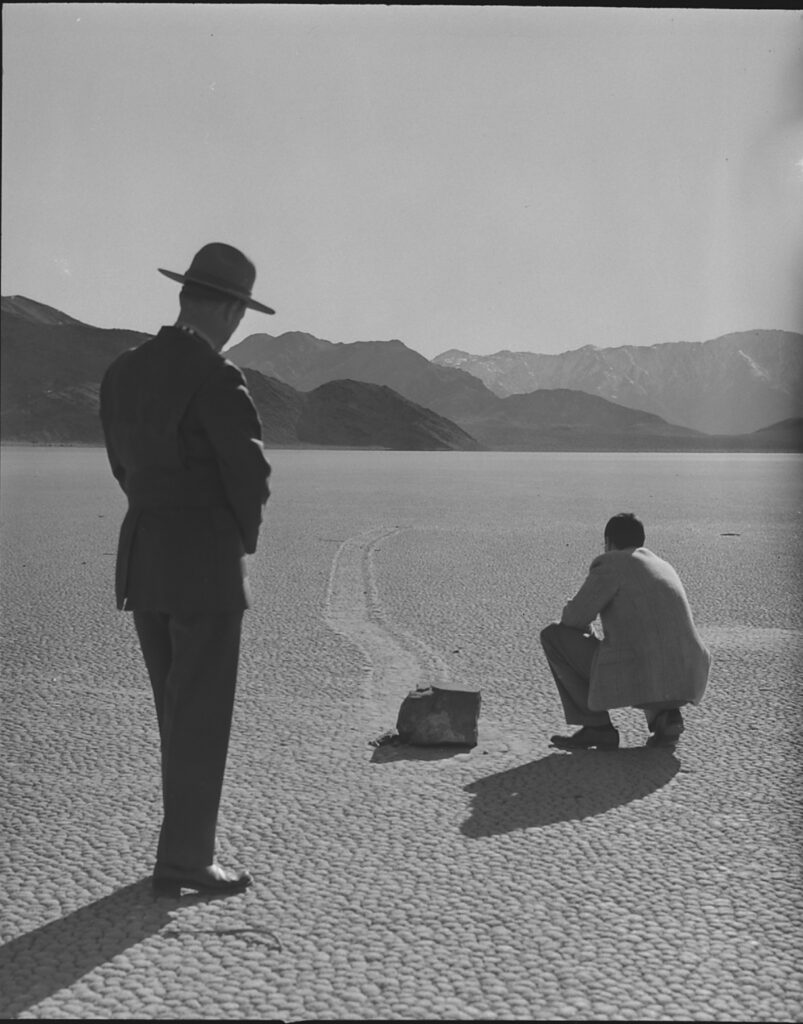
<point>477,177</point>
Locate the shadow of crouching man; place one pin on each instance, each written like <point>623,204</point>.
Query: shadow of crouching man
<point>38,964</point>
<point>563,787</point>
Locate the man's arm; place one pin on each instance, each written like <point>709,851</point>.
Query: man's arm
<point>232,425</point>
<point>596,592</point>
<point>105,418</point>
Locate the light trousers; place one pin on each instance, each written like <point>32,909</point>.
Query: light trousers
<point>570,655</point>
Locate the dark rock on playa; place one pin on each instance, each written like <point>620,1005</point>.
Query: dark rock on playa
<point>436,717</point>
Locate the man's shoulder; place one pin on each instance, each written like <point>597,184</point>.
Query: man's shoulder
<point>119,364</point>
<point>143,348</point>
<point>647,557</point>
<point>654,564</point>
<point>168,355</point>
<point>230,367</point>
<point>224,373</point>
<point>222,382</point>
<point>610,560</point>
<point>628,560</point>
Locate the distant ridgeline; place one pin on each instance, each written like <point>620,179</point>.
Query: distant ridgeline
<point>742,392</point>
<point>731,385</point>
<point>748,386</point>
<point>51,367</point>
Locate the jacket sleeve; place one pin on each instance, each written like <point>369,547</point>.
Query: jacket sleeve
<point>105,418</point>
<point>597,591</point>
<point>235,432</point>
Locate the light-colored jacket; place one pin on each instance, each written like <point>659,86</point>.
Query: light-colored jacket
<point>651,650</point>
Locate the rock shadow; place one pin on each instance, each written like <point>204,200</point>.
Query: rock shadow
<point>38,964</point>
<point>388,752</point>
<point>565,787</point>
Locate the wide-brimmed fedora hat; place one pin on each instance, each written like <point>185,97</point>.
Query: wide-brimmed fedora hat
<point>223,269</point>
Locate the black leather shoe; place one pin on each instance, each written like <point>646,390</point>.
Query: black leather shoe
<point>666,728</point>
<point>603,737</point>
<point>169,880</point>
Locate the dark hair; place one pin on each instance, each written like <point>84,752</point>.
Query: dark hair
<point>624,530</point>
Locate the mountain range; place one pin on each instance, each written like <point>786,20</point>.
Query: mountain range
<point>313,392</point>
<point>734,384</point>
<point>548,418</point>
<point>52,365</point>
<point>50,371</point>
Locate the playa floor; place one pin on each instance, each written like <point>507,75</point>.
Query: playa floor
<point>511,881</point>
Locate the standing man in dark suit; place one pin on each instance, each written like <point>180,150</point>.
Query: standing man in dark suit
<point>185,443</point>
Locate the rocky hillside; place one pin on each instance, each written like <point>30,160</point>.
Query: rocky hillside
<point>50,371</point>
<point>562,419</point>
<point>546,419</point>
<point>352,413</point>
<point>51,367</point>
<point>735,384</point>
<point>312,392</point>
<point>305,362</point>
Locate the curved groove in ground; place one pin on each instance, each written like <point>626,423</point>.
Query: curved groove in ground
<point>397,660</point>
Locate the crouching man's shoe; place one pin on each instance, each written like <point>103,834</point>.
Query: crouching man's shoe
<point>603,737</point>
<point>169,880</point>
<point>666,728</point>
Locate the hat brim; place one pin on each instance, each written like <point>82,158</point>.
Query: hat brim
<point>186,279</point>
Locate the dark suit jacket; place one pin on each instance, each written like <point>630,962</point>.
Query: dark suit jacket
<point>184,441</point>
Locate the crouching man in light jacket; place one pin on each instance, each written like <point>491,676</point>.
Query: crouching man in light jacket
<point>651,656</point>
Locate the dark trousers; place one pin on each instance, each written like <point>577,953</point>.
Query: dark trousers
<point>570,654</point>
<point>192,664</point>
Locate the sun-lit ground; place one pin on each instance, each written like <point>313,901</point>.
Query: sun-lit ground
<point>511,881</point>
